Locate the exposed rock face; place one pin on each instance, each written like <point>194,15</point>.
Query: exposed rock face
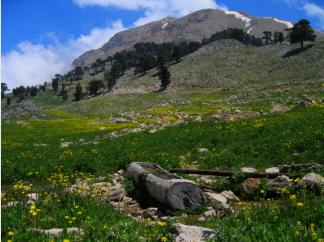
<point>192,233</point>
<point>192,27</point>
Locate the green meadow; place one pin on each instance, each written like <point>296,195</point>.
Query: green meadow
<point>32,152</point>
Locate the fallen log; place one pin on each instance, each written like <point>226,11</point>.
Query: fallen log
<point>230,173</point>
<point>173,191</point>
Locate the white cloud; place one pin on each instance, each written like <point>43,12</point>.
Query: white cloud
<point>155,9</point>
<point>33,64</point>
<point>313,10</point>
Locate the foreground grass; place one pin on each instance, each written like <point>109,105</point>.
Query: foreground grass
<point>296,136</point>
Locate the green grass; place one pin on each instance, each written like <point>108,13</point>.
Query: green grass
<point>260,142</point>
<point>294,137</point>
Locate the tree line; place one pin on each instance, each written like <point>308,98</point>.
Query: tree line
<point>147,55</point>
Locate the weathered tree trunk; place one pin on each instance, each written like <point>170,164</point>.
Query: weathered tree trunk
<point>172,191</point>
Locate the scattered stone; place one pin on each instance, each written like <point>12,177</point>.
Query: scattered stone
<point>198,119</point>
<point>248,169</point>
<point>58,232</point>
<point>120,172</point>
<point>118,120</point>
<point>195,162</point>
<point>272,170</point>
<point>238,111</point>
<point>201,219</point>
<point>301,104</point>
<point>308,98</point>
<point>299,167</point>
<point>95,142</point>
<point>186,233</point>
<point>214,200</point>
<point>101,184</point>
<point>312,181</point>
<point>209,213</point>
<point>279,182</point>
<point>152,131</point>
<point>66,144</point>
<point>251,184</point>
<point>150,212</point>
<point>179,123</point>
<point>230,195</point>
<point>279,109</point>
<point>81,140</point>
<point>207,181</point>
<point>103,128</point>
<point>202,150</point>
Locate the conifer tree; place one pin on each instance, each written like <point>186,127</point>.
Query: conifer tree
<point>267,36</point>
<point>177,53</point>
<point>78,95</point>
<point>302,31</point>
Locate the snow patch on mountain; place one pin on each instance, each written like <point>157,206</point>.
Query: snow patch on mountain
<point>249,30</point>
<point>164,25</point>
<point>289,24</point>
<point>240,16</point>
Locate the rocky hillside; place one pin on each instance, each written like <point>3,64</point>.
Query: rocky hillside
<point>231,63</point>
<point>193,27</point>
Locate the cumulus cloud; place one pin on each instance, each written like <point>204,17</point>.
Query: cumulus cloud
<point>155,9</point>
<point>34,64</point>
<point>313,10</point>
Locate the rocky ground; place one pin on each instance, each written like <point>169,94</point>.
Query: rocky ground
<point>217,204</point>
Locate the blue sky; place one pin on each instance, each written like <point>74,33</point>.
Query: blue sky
<point>40,38</point>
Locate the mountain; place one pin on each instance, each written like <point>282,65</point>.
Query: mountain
<point>192,27</point>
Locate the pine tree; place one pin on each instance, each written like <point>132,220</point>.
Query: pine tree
<point>8,101</point>
<point>78,95</point>
<point>281,37</point>
<point>302,31</point>
<point>94,86</point>
<point>177,53</point>
<point>267,36</point>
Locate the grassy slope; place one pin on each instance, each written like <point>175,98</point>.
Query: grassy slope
<point>261,142</point>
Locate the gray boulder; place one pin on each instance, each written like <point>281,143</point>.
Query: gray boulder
<point>301,104</point>
<point>299,167</point>
<point>313,182</point>
<point>272,170</point>
<point>230,195</point>
<point>279,182</point>
<point>186,233</point>
<point>214,200</point>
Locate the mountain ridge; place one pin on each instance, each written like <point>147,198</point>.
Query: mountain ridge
<point>192,27</point>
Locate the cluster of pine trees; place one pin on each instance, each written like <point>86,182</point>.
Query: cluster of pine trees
<point>147,55</point>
